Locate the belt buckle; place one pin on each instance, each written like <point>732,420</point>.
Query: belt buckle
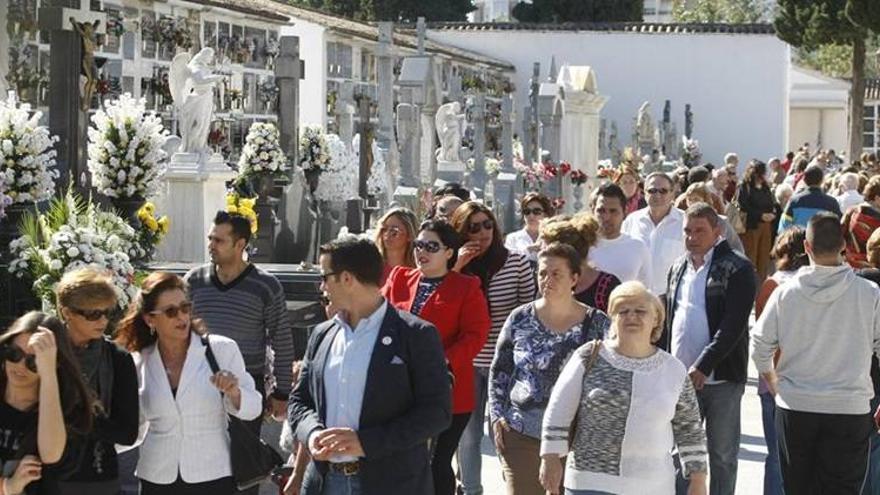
<point>351,468</point>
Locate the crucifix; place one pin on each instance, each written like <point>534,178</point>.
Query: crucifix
<point>73,29</point>
<point>358,210</point>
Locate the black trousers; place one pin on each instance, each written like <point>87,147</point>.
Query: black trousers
<point>823,453</point>
<point>256,425</point>
<point>444,448</point>
<point>223,486</point>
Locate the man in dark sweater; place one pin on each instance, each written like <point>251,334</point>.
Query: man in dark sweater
<point>238,300</point>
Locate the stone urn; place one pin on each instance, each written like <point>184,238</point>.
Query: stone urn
<point>128,208</point>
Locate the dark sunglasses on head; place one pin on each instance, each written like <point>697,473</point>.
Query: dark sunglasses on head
<point>475,227</point>
<point>173,311</point>
<point>532,211</point>
<point>429,246</point>
<point>14,354</point>
<point>95,314</point>
<point>658,191</point>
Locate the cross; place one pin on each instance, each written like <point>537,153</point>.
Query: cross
<point>421,31</point>
<point>67,120</point>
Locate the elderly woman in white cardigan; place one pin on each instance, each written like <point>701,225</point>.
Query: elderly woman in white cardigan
<point>626,404</point>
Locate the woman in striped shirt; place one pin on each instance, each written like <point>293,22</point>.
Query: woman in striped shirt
<point>507,282</point>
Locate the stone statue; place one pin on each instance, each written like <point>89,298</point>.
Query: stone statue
<point>192,88</point>
<point>645,123</point>
<point>88,69</point>
<point>667,111</point>
<point>688,121</point>
<point>450,123</point>
<point>614,144</point>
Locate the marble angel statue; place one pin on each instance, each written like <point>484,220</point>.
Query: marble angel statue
<point>192,88</point>
<point>450,123</point>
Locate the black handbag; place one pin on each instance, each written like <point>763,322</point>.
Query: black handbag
<point>253,460</point>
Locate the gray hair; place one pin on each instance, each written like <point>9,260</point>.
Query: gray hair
<point>849,181</point>
<point>728,158</point>
<point>781,191</point>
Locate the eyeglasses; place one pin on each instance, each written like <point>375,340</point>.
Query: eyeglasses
<point>173,311</point>
<point>532,211</point>
<point>325,276</point>
<point>14,354</point>
<point>429,246</point>
<point>475,227</point>
<point>654,190</point>
<point>391,231</point>
<point>96,314</point>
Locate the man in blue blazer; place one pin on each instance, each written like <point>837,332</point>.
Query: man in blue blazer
<point>374,387</point>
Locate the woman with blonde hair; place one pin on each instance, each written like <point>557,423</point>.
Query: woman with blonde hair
<point>620,406</point>
<point>87,303</point>
<point>395,233</point>
<point>581,232</point>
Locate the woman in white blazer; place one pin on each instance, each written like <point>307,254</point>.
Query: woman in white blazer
<point>185,447</point>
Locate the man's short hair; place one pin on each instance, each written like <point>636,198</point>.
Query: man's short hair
<point>824,233</point>
<point>241,226</point>
<point>357,256</point>
<point>612,190</point>
<point>698,174</point>
<point>705,211</point>
<point>813,176</point>
<point>730,158</point>
<point>850,181</point>
<point>664,175</point>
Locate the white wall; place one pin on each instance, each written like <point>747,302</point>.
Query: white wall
<point>737,85</point>
<point>809,125</point>
<point>312,89</point>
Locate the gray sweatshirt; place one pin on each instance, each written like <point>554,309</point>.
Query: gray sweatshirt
<point>826,322</point>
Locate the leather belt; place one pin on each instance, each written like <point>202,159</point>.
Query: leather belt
<point>346,468</point>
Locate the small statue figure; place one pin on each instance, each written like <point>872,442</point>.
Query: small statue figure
<point>450,123</point>
<point>192,89</point>
<point>645,123</point>
<point>88,68</point>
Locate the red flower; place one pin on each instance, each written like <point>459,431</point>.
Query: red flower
<point>578,177</point>
<point>564,168</point>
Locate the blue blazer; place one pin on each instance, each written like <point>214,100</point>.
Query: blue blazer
<point>404,405</point>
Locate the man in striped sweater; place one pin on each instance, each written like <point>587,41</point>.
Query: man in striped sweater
<point>239,300</point>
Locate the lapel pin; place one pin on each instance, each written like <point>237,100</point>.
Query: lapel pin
<point>386,340</point>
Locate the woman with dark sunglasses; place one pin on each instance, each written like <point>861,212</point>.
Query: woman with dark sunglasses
<point>45,403</point>
<point>534,208</point>
<point>508,281</point>
<point>455,305</point>
<point>184,405</point>
<point>87,303</point>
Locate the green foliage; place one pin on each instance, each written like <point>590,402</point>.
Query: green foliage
<point>393,10</point>
<point>836,60</point>
<point>720,11</point>
<point>555,11</point>
<point>810,24</point>
<point>864,13</point>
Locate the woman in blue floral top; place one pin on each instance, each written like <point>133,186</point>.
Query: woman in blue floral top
<point>535,343</point>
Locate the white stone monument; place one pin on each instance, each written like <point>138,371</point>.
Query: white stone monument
<point>450,124</point>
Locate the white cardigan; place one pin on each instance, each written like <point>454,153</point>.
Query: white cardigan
<point>186,433</point>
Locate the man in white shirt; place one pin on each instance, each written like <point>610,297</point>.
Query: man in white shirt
<point>658,226</point>
<point>615,252</point>
<point>849,191</point>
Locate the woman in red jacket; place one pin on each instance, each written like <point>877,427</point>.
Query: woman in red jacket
<point>455,304</point>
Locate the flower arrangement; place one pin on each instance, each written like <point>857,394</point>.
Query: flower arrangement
<point>173,32</point>
<point>492,166</point>
<point>378,181</point>
<point>314,154</point>
<point>126,158</point>
<point>578,177</point>
<point>154,229</point>
<point>235,203</point>
<point>74,233</point>
<point>262,154</point>
<point>115,26</point>
<point>218,141</point>
<point>691,154</point>
<point>518,150</point>
<point>27,160</point>
<point>5,200</point>
<point>339,178</point>
<point>267,92</point>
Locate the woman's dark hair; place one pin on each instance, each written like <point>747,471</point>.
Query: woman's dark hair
<point>448,236</point>
<point>756,170</point>
<point>77,402</point>
<point>564,252</point>
<point>241,226</point>
<point>453,189</point>
<point>486,266</point>
<point>789,249</point>
<point>133,333</point>
<point>546,204</point>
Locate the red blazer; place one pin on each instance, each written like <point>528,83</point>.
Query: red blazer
<point>459,310</point>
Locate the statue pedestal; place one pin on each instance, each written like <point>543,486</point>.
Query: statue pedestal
<point>451,171</point>
<point>195,189</point>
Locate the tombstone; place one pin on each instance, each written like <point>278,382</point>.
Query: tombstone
<point>357,211</point>
<point>419,86</point>
<point>476,179</point>
<point>614,152</point>
<point>344,111</point>
<point>505,182</point>
<point>688,121</point>
<point>421,34</point>
<point>645,131</point>
<point>580,124</point>
<point>67,120</point>
<point>455,92</point>
<point>385,98</point>
<point>550,112</point>
<point>409,138</point>
<point>532,147</point>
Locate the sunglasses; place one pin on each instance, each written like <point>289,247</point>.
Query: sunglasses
<point>14,354</point>
<point>96,314</point>
<point>429,246</point>
<point>475,227</point>
<point>658,191</point>
<point>173,311</point>
<point>532,211</point>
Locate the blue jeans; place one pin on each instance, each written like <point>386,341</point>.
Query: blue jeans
<point>340,484</point>
<point>720,409</point>
<point>772,474</point>
<point>470,460</point>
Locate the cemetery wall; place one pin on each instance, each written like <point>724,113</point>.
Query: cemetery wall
<point>737,84</point>
<point>819,109</point>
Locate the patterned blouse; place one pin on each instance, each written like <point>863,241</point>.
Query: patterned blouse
<point>426,287</point>
<point>527,363</point>
<point>598,294</point>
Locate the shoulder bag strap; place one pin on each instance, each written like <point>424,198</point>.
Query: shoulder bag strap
<point>209,354</point>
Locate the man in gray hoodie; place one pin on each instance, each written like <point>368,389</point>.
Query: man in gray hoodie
<point>826,323</point>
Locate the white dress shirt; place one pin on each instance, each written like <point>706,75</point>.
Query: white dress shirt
<point>186,432</point>
<point>345,372</point>
<point>849,199</point>
<point>665,241</point>
<point>624,257</point>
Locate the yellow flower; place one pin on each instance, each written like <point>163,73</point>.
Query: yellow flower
<point>248,203</point>
<point>164,224</point>
<point>152,224</point>
<point>231,200</point>
<point>232,209</point>
<point>149,207</point>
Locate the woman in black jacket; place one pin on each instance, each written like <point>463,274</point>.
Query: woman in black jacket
<point>756,200</point>
<point>87,301</point>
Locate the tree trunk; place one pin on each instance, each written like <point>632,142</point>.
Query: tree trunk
<point>857,101</point>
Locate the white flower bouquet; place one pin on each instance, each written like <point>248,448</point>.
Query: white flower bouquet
<point>262,154</point>
<point>339,176</point>
<point>27,160</point>
<point>73,234</point>
<point>126,158</point>
<point>314,153</point>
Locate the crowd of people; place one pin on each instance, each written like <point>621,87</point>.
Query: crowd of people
<point>604,352</point>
